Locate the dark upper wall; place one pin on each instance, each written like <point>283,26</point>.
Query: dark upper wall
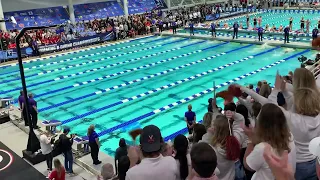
<point>18,5</point>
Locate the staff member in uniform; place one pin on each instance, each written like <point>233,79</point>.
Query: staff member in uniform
<point>191,28</point>
<point>33,111</point>
<point>22,106</point>
<point>315,32</point>
<point>213,29</point>
<point>94,144</point>
<point>260,33</point>
<point>190,118</point>
<point>235,30</point>
<point>160,26</point>
<point>174,27</point>
<point>286,34</point>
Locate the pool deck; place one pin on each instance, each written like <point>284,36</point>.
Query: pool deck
<point>301,45</point>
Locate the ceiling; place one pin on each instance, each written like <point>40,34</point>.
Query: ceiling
<point>17,5</point>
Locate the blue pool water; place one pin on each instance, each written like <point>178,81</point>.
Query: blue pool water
<point>146,81</point>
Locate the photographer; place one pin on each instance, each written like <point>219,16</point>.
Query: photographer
<point>46,148</point>
<point>66,148</point>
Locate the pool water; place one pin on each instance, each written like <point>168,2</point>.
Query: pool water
<point>279,18</point>
<point>144,81</point>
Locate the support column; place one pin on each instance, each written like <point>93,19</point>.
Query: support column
<point>168,4</point>
<point>71,12</point>
<point>3,24</point>
<point>125,8</point>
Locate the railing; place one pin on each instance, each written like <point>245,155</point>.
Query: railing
<point>315,69</point>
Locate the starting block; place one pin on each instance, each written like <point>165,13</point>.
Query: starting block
<point>51,125</point>
<point>82,144</point>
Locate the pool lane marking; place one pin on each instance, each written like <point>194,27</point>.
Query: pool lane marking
<point>204,92</point>
<point>80,64</point>
<point>171,84</point>
<point>116,74</point>
<point>146,77</point>
<point>75,52</point>
<point>91,55</point>
<point>86,71</point>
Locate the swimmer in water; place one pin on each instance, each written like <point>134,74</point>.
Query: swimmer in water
<point>225,25</point>
<point>274,28</point>
<point>267,28</point>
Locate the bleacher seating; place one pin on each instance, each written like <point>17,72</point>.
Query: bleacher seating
<point>140,6</point>
<point>97,10</point>
<point>37,17</point>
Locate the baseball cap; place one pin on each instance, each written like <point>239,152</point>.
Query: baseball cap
<point>150,139</point>
<point>314,146</point>
<point>66,130</point>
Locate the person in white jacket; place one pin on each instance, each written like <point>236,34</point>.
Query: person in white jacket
<point>303,120</point>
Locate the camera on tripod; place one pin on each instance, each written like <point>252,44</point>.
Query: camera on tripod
<point>302,58</point>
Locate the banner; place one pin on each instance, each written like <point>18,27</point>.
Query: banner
<point>83,41</point>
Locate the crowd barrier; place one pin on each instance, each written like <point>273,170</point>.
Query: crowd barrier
<point>43,49</point>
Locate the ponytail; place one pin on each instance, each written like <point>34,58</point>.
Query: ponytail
<point>181,156</point>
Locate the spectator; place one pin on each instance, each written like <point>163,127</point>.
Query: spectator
<point>265,90</point>
<point>66,148</point>
<point>207,119</point>
<point>271,128</point>
<point>107,172</point>
<point>204,162</point>
<point>153,166</point>
<point>303,121</point>
<point>258,86</point>
<point>33,110</point>
<point>59,172</point>
<point>190,118</point>
<point>198,131</point>
<point>182,157</point>
<point>94,144</point>
<point>122,150</point>
<point>46,149</point>
<point>124,165</point>
<point>166,150</point>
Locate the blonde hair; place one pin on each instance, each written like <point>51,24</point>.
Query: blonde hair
<point>221,131</point>
<point>265,90</point>
<point>307,101</point>
<point>90,129</point>
<point>303,78</point>
<point>58,166</point>
<point>207,119</point>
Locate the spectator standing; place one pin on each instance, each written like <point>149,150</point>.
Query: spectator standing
<point>153,166</point>
<point>198,131</point>
<point>94,144</point>
<point>33,111</point>
<point>204,162</point>
<point>66,148</point>
<point>191,26</point>
<point>190,118</point>
<point>124,165</point>
<point>59,172</point>
<point>46,149</point>
<point>271,128</point>
<point>122,150</point>
<point>182,157</point>
<point>174,27</point>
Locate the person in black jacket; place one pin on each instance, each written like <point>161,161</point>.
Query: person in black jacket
<point>66,148</point>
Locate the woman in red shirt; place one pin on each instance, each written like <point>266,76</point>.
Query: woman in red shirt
<point>59,173</point>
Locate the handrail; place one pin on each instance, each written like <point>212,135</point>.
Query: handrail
<point>315,69</point>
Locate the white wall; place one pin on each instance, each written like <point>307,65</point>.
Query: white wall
<point>17,5</point>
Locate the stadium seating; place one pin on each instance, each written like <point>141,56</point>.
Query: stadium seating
<point>37,17</point>
<point>140,6</point>
<point>97,10</point>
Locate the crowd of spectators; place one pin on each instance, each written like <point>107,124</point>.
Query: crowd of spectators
<point>265,135</point>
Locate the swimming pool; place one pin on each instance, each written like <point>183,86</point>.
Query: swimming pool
<point>280,18</point>
<point>145,81</point>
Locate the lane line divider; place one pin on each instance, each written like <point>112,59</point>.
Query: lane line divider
<point>75,52</point>
<point>142,78</point>
<point>87,71</point>
<point>94,54</point>
<point>80,64</point>
<point>171,84</point>
<point>115,74</point>
<point>204,92</point>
